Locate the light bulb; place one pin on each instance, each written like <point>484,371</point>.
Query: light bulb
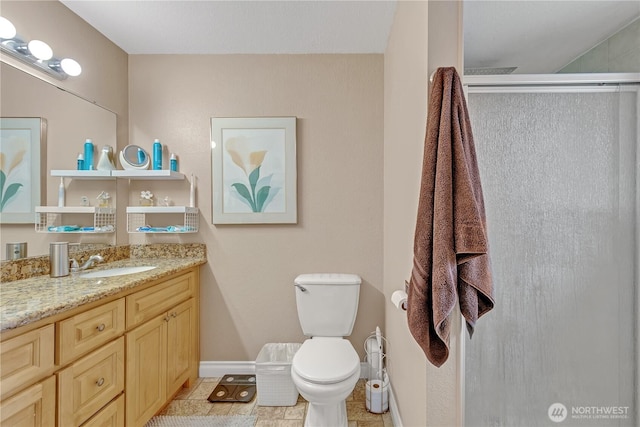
<point>40,50</point>
<point>71,67</point>
<point>7,29</point>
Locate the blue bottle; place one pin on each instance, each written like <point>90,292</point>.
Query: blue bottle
<point>157,155</point>
<point>80,162</point>
<point>173,163</point>
<point>88,155</point>
<point>142,156</point>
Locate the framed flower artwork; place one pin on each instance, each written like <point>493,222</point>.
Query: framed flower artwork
<point>23,154</point>
<point>254,170</point>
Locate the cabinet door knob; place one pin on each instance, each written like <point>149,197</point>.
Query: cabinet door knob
<point>100,382</point>
<point>100,327</point>
<point>174,314</point>
<point>167,318</point>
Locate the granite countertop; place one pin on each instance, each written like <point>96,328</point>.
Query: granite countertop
<point>28,300</point>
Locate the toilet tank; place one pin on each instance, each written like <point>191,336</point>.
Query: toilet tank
<point>327,303</point>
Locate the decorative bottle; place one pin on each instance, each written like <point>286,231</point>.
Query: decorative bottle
<point>88,155</point>
<point>104,162</point>
<point>157,155</point>
<point>173,163</point>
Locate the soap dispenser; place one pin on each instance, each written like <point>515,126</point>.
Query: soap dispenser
<point>105,163</point>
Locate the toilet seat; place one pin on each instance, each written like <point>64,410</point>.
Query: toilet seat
<point>326,360</point>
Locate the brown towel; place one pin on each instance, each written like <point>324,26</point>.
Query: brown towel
<point>451,260</point>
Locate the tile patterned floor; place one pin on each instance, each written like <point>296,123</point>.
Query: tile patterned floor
<point>193,401</point>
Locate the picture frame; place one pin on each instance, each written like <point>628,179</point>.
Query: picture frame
<point>254,177</point>
<point>23,153</point>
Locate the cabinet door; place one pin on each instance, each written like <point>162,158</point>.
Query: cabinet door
<point>35,406</point>
<point>90,383</point>
<point>146,383</point>
<point>26,359</point>
<point>111,415</point>
<point>181,329</point>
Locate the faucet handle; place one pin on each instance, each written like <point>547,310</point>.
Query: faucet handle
<point>75,267</point>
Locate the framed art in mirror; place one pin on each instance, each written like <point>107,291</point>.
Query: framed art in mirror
<point>254,170</point>
<point>23,153</point>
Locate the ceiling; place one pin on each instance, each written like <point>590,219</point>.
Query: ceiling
<point>218,27</point>
<point>534,36</point>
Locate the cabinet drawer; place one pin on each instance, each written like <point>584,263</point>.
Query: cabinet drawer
<point>147,304</point>
<point>35,406</point>
<point>26,359</point>
<point>111,415</point>
<point>90,383</point>
<point>86,331</point>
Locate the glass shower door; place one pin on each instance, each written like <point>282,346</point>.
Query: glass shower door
<point>559,170</point>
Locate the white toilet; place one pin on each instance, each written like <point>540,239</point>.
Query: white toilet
<point>326,368</point>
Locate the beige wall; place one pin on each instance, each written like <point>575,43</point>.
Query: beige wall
<point>103,81</point>
<point>247,285</point>
<point>425,36</point>
<point>405,110</point>
<point>445,405</point>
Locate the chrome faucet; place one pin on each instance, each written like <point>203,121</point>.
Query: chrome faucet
<point>92,259</point>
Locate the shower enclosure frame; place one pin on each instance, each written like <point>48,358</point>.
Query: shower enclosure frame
<point>591,82</point>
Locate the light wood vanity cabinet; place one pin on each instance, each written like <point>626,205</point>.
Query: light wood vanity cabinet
<point>162,351</point>
<point>114,364</point>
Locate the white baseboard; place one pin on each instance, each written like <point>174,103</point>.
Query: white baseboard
<point>219,369</point>
<point>393,408</point>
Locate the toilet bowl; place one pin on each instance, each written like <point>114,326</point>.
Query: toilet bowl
<point>325,370</point>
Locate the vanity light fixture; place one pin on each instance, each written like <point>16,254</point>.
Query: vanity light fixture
<point>7,29</point>
<point>40,50</point>
<point>36,53</point>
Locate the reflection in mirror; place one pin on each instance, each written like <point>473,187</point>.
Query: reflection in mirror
<point>70,121</point>
<point>544,37</point>
<point>134,157</point>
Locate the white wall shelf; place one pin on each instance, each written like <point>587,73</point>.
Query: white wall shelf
<point>137,219</point>
<point>49,219</point>
<point>164,174</point>
<point>82,174</point>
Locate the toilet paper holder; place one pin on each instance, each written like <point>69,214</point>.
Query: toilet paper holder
<point>399,298</point>
<point>377,385</point>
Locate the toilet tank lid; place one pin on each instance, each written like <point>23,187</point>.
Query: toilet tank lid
<point>328,279</point>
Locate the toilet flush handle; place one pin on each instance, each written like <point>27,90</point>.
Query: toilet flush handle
<point>302,288</point>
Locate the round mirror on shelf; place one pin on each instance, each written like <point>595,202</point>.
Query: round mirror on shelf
<point>134,157</point>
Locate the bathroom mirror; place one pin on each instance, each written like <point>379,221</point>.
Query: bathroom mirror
<point>134,157</point>
<point>70,120</point>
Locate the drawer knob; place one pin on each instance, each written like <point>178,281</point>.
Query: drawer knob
<point>100,327</point>
<point>100,382</point>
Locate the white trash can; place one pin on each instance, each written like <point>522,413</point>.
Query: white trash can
<point>273,375</point>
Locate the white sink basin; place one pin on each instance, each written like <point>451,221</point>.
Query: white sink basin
<point>118,271</point>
